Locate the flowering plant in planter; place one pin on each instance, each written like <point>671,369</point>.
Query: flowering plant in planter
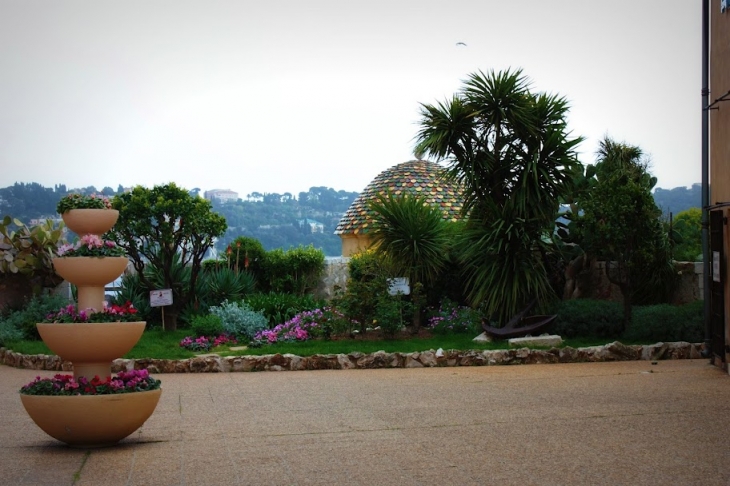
<point>80,201</point>
<point>66,385</point>
<point>92,246</point>
<point>110,313</point>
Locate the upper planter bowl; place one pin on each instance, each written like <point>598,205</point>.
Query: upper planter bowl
<point>90,221</point>
<point>87,271</point>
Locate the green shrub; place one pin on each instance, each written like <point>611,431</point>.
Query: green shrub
<point>248,254</point>
<point>9,332</point>
<point>239,319</point>
<point>279,307</point>
<point>36,309</point>
<point>667,323</point>
<point>294,271</point>
<point>220,284</point>
<point>588,318</point>
<point>207,325</point>
<point>390,313</point>
<point>366,286</point>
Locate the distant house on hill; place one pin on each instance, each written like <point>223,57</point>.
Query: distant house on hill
<point>314,226</point>
<point>221,195</point>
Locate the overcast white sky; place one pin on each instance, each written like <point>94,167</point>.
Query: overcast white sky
<point>282,95</point>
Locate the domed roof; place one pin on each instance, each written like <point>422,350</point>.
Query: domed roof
<point>417,177</point>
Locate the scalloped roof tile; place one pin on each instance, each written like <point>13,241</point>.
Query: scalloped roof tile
<point>419,177</point>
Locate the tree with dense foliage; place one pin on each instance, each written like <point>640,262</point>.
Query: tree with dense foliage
<point>687,226</point>
<point>168,229</point>
<point>512,151</point>
<point>413,238</point>
<point>620,224</point>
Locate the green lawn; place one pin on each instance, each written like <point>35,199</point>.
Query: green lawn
<point>165,345</point>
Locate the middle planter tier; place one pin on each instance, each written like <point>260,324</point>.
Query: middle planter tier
<point>90,275</point>
<point>91,346</point>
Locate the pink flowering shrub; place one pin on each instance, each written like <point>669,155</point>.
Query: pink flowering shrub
<point>203,343</point>
<point>303,326</point>
<point>123,382</point>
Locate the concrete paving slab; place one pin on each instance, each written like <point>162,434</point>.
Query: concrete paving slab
<point>590,423</point>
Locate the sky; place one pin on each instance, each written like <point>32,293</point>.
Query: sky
<point>283,95</point>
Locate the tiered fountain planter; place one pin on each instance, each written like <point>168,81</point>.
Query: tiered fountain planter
<point>91,420</point>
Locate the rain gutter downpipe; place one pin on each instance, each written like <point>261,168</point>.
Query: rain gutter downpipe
<point>706,352</point>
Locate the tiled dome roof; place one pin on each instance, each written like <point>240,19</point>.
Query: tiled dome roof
<point>417,177</point>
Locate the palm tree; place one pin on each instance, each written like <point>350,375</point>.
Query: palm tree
<point>511,150</point>
<point>413,238</point>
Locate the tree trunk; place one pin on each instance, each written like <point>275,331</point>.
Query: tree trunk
<point>416,318</point>
<point>169,322</point>
<point>626,293</point>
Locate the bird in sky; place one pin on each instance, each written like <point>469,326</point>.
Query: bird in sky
<point>460,44</point>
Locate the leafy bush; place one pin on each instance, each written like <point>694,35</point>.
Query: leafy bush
<point>248,254</point>
<point>207,325</point>
<point>366,286</point>
<point>451,318</point>
<point>9,332</point>
<point>279,307</point>
<point>588,318</point>
<point>295,271</point>
<point>24,320</point>
<point>239,319</point>
<point>389,314</point>
<point>666,323</point>
<point>219,284</point>
<point>26,254</point>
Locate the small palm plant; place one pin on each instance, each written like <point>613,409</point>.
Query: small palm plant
<point>413,237</point>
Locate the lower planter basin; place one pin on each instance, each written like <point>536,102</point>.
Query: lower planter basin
<point>91,420</point>
<point>91,346</point>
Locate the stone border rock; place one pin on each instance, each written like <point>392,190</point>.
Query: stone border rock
<point>614,351</point>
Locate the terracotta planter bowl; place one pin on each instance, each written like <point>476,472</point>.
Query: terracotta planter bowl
<point>94,221</point>
<point>90,275</point>
<point>91,347</point>
<point>91,420</point>
<point>90,271</point>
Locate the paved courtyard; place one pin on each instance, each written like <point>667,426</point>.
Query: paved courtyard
<point>591,423</point>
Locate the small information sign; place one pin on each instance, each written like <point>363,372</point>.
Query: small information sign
<point>716,266</point>
<point>160,297</point>
<point>398,286</point>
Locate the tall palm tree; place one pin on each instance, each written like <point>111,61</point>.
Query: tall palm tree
<point>513,153</point>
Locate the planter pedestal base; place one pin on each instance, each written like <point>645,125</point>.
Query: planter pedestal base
<point>91,347</point>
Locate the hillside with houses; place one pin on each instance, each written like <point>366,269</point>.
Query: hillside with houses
<point>277,220</point>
